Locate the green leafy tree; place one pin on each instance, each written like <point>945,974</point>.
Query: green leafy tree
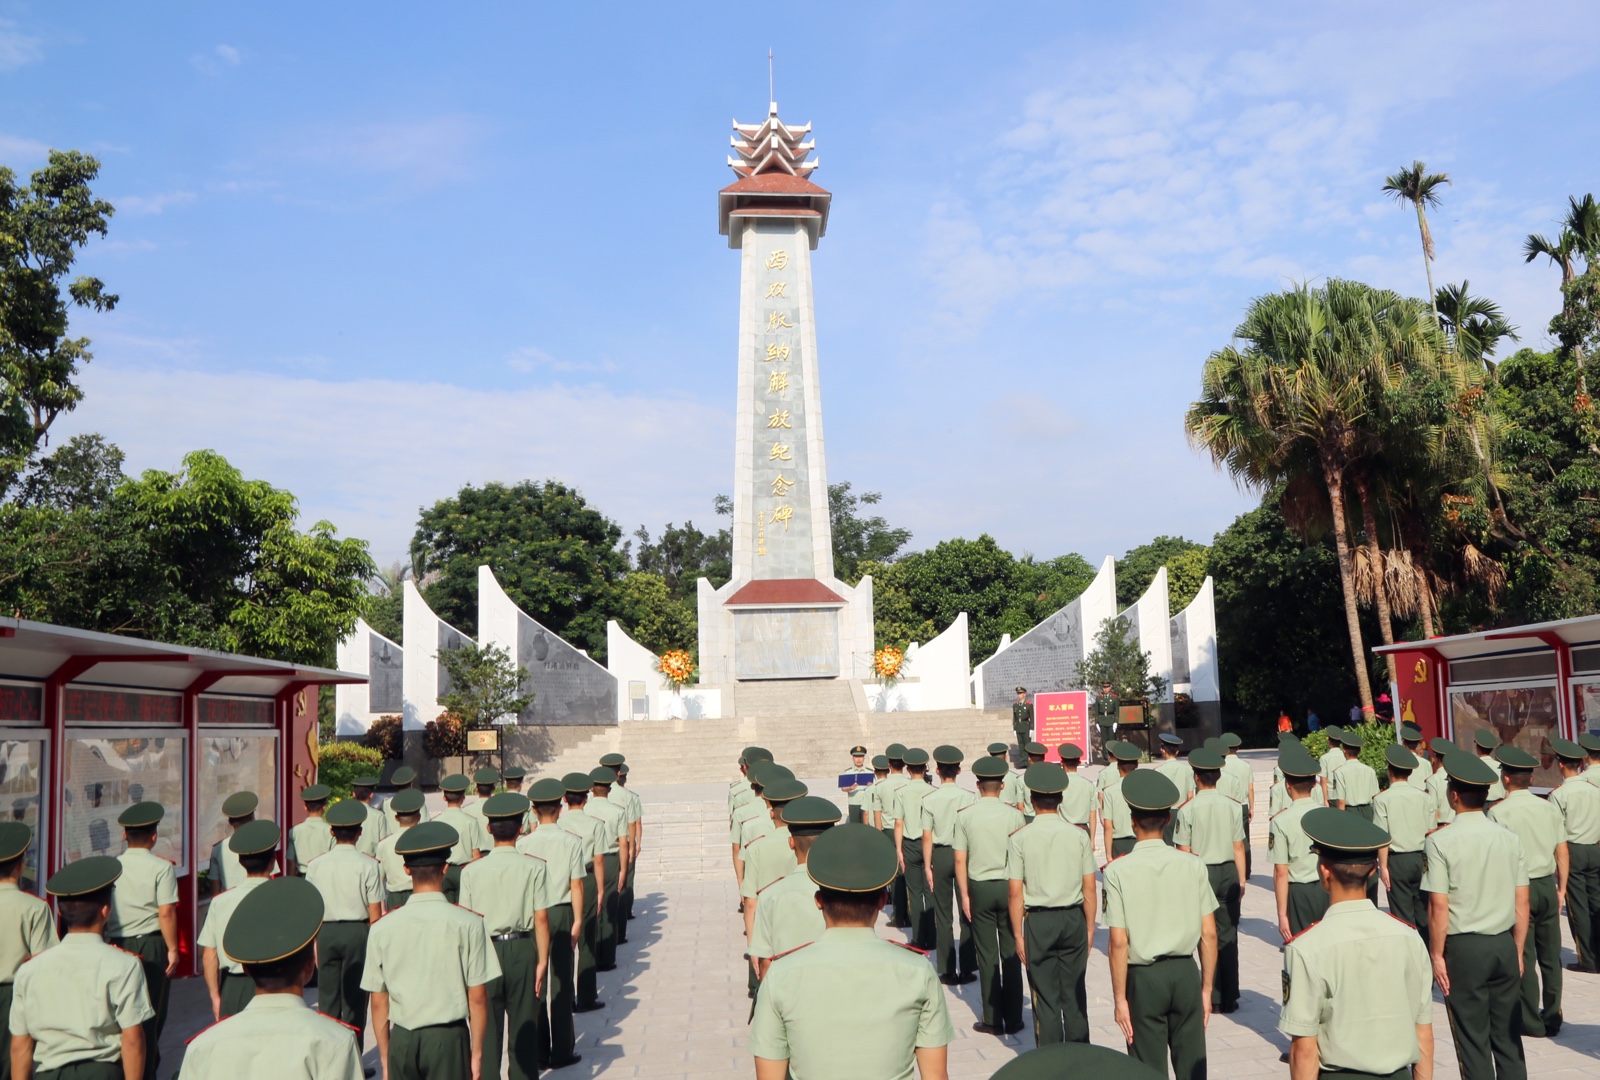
<point>339,763</point>
<point>1186,572</point>
<point>656,618</point>
<point>1575,325</point>
<point>858,538</point>
<point>1475,324</point>
<point>385,608</point>
<point>1419,187</point>
<point>485,685</point>
<point>684,555</point>
<point>1137,569</point>
<point>1117,659</point>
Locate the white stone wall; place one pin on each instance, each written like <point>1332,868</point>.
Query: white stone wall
<point>569,687</point>
<point>353,714</point>
<point>631,662</point>
<point>1200,618</point>
<point>937,675</point>
<point>423,630</point>
<point>1151,615</point>
<point>1048,655</point>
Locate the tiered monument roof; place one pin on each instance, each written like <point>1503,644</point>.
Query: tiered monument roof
<point>773,178</point>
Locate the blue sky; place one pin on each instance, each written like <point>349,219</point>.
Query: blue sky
<point>374,253</point>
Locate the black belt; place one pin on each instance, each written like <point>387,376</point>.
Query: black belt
<point>343,922</point>
<point>514,935</point>
<point>943,845</point>
<point>1041,907</point>
<point>1170,956</point>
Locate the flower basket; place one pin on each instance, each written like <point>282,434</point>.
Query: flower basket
<point>677,667</point>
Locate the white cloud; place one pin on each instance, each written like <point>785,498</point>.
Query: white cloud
<point>15,151</point>
<point>18,49</point>
<point>418,154</point>
<point>530,360</point>
<point>227,54</point>
<point>152,204</point>
<point>215,62</point>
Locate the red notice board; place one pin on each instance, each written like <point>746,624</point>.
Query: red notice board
<point>1061,718</point>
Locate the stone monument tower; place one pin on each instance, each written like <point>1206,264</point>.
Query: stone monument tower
<point>783,615</point>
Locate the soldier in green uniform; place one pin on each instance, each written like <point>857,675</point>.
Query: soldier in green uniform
<point>1107,711</point>
<point>787,915</point>
<point>1239,783</point>
<point>429,965</point>
<point>1590,743</point>
<point>506,888</point>
<point>754,818</point>
<point>591,832</point>
<point>1438,786</point>
<point>1051,906</point>
<point>1016,792</point>
<point>1160,909</point>
<point>144,916</point>
<point>231,989</point>
<point>1543,832</point>
<point>899,896</point>
<point>484,781</point>
<point>1022,721</point>
<point>908,841</point>
<point>564,872</point>
<point>1300,896</point>
<point>1278,794</point>
<point>1211,828</point>
<point>276,1037</point>
<point>858,796</point>
<point>1330,761</point>
<point>1079,799</point>
<point>851,1004</point>
<point>224,871</point>
<point>1484,743</point>
<point>1354,785</point>
<point>402,779</point>
<point>1477,881</point>
<point>406,807</point>
<point>1411,735</point>
<point>767,858</point>
<point>78,1010</point>
<point>634,807</point>
<point>375,826</point>
<point>351,887</point>
<point>618,860</point>
<point>1176,769</point>
<point>472,839</point>
<point>939,810</point>
<point>1579,804</point>
<point>27,927</point>
<point>1357,994</point>
<point>311,837</point>
<point>1405,813</point>
<point>514,776</point>
<point>1115,820</point>
<point>982,845</point>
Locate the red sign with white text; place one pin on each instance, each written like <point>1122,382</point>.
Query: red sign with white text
<point>1061,717</point>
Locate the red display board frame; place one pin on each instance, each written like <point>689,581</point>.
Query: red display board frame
<point>1061,717</point>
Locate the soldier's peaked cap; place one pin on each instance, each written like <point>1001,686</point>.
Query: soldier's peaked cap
<point>455,782</point>
<point>1410,732</point>
<point>1022,689</point>
<point>1232,738</point>
<point>1469,769</point>
<point>364,782</point>
<point>548,790</point>
<point>410,801</point>
<point>915,756</point>
<point>1293,760</point>
<point>895,751</point>
<point>858,749</point>
<point>947,755</point>
<point>485,777</point>
<point>1441,745</point>
<point>810,815</point>
<point>1070,751</point>
<point>852,858</point>
<point>1399,757</point>
<point>507,804</point>
<point>402,776</point>
<point>1046,778</point>
<point>1514,757</point>
<point>880,761</point>
<point>1123,751</point>
<point>1590,742</point>
<point>274,921</point>
<point>141,815</point>
<point>1036,749</point>
<point>15,836</point>
<point>989,768</point>
<point>1170,739</point>
<point>315,793</point>
<point>782,789</point>
<point>1205,759</point>
<point>256,838</point>
<point>84,877</point>
<point>515,772</point>
<point>603,775</point>
<point>240,804</point>
<point>1076,1059</point>
<point>611,761</point>
<point>576,781</point>
<point>427,844</point>
<point>346,813</point>
<point>999,747</point>
<point>1146,789</point>
<point>1486,738</point>
<point>1566,748</point>
<point>1343,835</point>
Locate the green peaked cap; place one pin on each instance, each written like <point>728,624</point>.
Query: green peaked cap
<point>240,804</point>
<point>84,877</point>
<point>548,790</point>
<point>1146,789</point>
<point>455,782</point>
<point>254,838</point>
<point>1486,738</point>
<point>947,755</point>
<point>409,801</point>
<point>1205,758</point>
<point>427,844</point>
<point>989,768</point>
<point>507,804</point>
<point>1047,778</point>
<point>345,813</point>
<point>1469,769</point>
<point>140,815</point>
<point>916,755</point>
<point>809,815</point>
<point>1343,835</point>
<point>1514,757</point>
<point>402,776</point>
<point>1566,748</point>
<point>782,789</point>
<point>1399,757</point>
<point>852,858</point>
<point>1076,1060</point>
<point>485,777</point>
<point>315,793</point>
<point>274,921</point>
<point>575,782</point>
<point>15,837</point>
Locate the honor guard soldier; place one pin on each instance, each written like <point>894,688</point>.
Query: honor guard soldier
<point>591,833</point>
<point>472,839</point>
<point>908,836</point>
<point>633,808</point>
<point>1160,909</point>
<point>1438,785</point>
<point>514,777</point>
<point>1078,800</point>
<point>507,889</point>
<point>851,1004</point>
<point>939,810</point>
<point>884,793</point>
<point>767,858</point>
<point>858,796</point>
<point>224,871</point>
<point>312,837</point>
<point>1278,796</point>
<point>375,826</point>
<point>1022,719</point>
<point>407,810</point>
<point>1075,1059</point>
<point>1051,906</point>
<point>428,968</point>
<point>1411,735</point>
<point>618,858</point>
<point>485,780</point>
<point>1107,713</point>
<point>754,818</point>
<point>1484,743</point>
<point>1211,828</point>
<point>740,796</point>
<point>1300,896</point>
<point>144,916</point>
<point>1477,881</point>
<point>273,934</point>
<point>1174,767</point>
<point>27,927</point>
<point>402,780</point>
<point>1357,993</point>
<point>1239,782</point>
<point>1354,784</point>
<point>254,844</point>
<point>1330,761</point>
<point>1579,803</point>
<point>1405,813</point>
<point>351,887</point>
<point>564,872</point>
<point>982,843</point>
<point>1019,796</point>
<point>78,1010</point>
<point>1115,819</point>
<point>1590,742</point>
<point>787,915</point>
<point>1543,832</point>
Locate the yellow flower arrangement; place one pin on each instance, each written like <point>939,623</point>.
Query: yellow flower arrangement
<point>677,667</point>
<point>887,662</point>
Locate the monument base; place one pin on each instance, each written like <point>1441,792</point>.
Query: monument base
<point>785,628</point>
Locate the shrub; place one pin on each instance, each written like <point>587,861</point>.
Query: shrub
<point>387,737</point>
<point>1376,735</point>
<point>445,737</point>
<point>338,764</point>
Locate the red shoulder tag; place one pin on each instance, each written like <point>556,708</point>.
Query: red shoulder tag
<point>788,952</point>
<point>1304,932</point>
<point>910,948</point>
<point>749,842</point>
<point>1436,828</point>
<point>1015,831</point>
<point>768,885</point>
<point>469,911</point>
<point>1399,920</point>
<point>203,1030</point>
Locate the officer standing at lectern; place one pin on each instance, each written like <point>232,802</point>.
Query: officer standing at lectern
<point>1022,722</point>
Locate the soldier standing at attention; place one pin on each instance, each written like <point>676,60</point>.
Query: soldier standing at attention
<point>472,839</point>
<point>1357,996</point>
<point>1278,794</point>
<point>429,965</point>
<point>1211,828</point>
<point>1051,906</point>
<point>255,844</point>
<point>1107,710</point>
<point>1405,813</point>
<point>618,858</point>
<point>375,826</point>
<point>311,837</point>
<point>858,796</point>
<point>754,818</point>
<point>1579,803</point>
<point>514,775</point>
<point>1079,799</point>
<point>1160,908</point>
<point>1300,895</point>
<point>767,859</point>
<point>1331,759</point>
<point>591,834</point>
<point>982,843</point>
<point>144,917</point>
<point>506,888</point>
<point>1012,792</point>
<point>351,887</point>
<point>1543,832</point>
<point>1176,769</point>
<point>851,1004</point>
<point>787,916</point>
<point>406,807</point>
<point>485,780</point>
<point>78,1010</point>
<point>1114,816</point>
<point>635,818</point>
<point>1354,784</point>
<point>1438,786</point>
<point>908,841</point>
<point>871,811</point>
<point>1590,743</point>
<point>1016,791</point>
<point>1411,735</point>
<point>1484,743</point>
<point>564,867</point>
<point>402,780</point>
<point>27,927</point>
<point>1022,720</point>
<point>276,1037</point>
<point>939,810</point>
<point>1477,881</point>
<point>224,871</point>
<point>899,896</point>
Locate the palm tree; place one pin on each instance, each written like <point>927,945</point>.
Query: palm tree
<point>1579,236</point>
<point>1416,186</point>
<point>1475,324</point>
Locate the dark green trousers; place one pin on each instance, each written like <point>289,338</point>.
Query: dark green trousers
<point>1249,861</point>
<point>513,1012</point>
<point>341,956</point>
<point>1164,1002</point>
<point>1583,902</point>
<point>1485,1006</point>
<point>398,899</point>
<point>151,949</point>
<point>920,906</point>
<point>946,910</point>
<point>83,1070</point>
<point>5,1030</point>
<point>1406,899</point>
<point>1541,960</point>
<point>1308,903</point>
<point>899,896</point>
<point>439,1052</point>
<point>1057,941</point>
<point>452,883</point>
<point>999,970</point>
<point>1364,810</point>
<point>585,981</point>
<point>237,991</point>
<point>1121,845</point>
<point>556,1036</point>
<point>1225,887</point>
<point>605,950</point>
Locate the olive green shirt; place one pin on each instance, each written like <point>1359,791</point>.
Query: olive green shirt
<point>590,831</point>
<point>1289,844</point>
<point>1015,792</point>
<point>1236,780</point>
<point>787,915</point>
<point>615,819</point>
<point>1439,792</point>
<point>1592,774</point>
<point>27,928</point>
<point>739,793</point>
<point>983,831</point>
<point>1420,776</point>
<point>1361,983</point>
<point>766,859</point>
<point>425,956</point>
<point>850,1004</point>
<point>1479,865</point>
<point>147,884</point>
<point>225,871</point>
<point>756,824</point>
<point>216,924</point>
<point>562,853</point>
<point>1078,800</point>
<point>1579,803</point>
<point>1181,774</point>
<point>374,827</point>
<point>1114,808</point>
<point>908,807</point>
<point>1354,783</point>
<point>505,887</point>
<point>1537,824</point>
<point>1209,825</point>
<point>1330,761</point>
<point>471,836</point>
<point>393,867</point>
<point>1051,857</point>
<point>939,809</point>
<point>883,797</point>
<point>348,882</point>
<point>630,803</point>
<point>388,812</point>
<point>861,796</point>
<point>77,999</point>
<point>1497,790</point>
<point>307,840</point>
<point>1278,797</point>
<point>304,1045</point>
<point>1406,814</point>
<point>1160,896</point>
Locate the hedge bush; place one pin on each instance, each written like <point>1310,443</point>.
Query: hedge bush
<point>340,763</point>
<point>1376,735</point>
<point>387,737</point>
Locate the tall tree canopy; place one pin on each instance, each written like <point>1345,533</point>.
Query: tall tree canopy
<point>1137,569</point>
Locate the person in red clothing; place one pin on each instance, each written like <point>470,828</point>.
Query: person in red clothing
<point>1284,723</point>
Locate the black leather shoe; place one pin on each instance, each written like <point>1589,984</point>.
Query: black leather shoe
<point>963,980</point>
<point>1232,1007</point>
<point>949,980</point>
<point>1583,970</point>
<point>573,1060</point>
<point>605,967</point>
<point>593,1006</point>
<point>987,1029</point>
<point>1013,1030</point>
